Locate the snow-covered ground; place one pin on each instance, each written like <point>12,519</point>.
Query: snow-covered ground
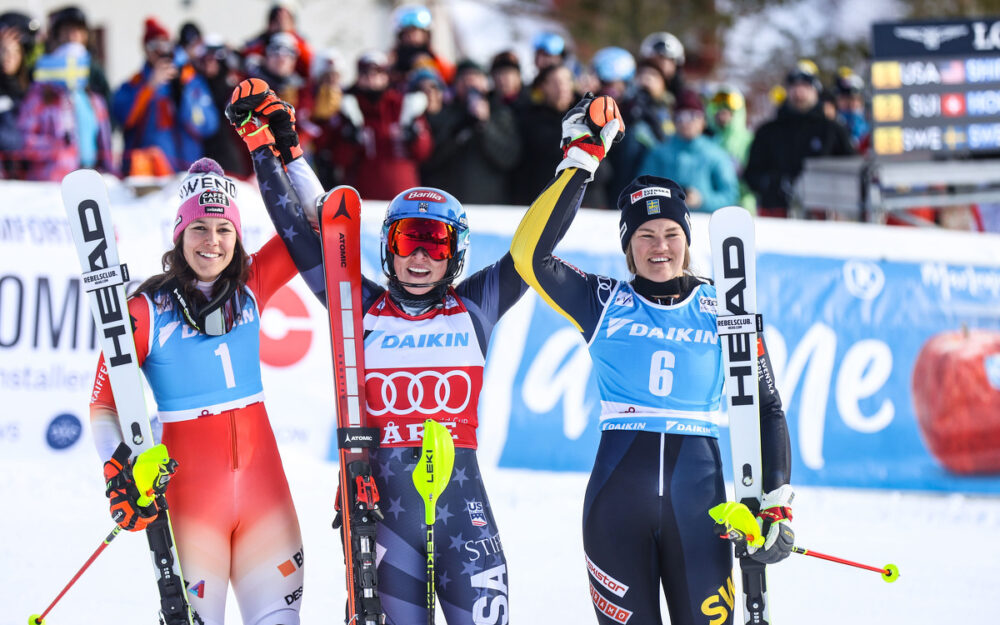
<point>946,548</point>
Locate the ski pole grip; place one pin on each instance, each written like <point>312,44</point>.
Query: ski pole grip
<point>146,471</point>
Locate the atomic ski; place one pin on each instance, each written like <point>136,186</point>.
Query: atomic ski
<point>734,258</point>
<point>358,499</point>
<point>89,211</point>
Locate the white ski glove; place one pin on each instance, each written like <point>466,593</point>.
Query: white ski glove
<point>774,518</point>
<point>414,105</point>
<point>586,139</point>
<point>351,110</point>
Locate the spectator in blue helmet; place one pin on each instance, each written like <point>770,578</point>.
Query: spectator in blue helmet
<point>615,68</point>
<point>411,25</point>
<point>550,49</point>
<point>694,161</point>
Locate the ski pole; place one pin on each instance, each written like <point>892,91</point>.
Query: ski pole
<point>890,572</point>
<point>740,526</point>
<point>36,619</point>
<point>431,477</point>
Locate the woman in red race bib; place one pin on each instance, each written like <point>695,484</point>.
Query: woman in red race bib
<point>197,336</point>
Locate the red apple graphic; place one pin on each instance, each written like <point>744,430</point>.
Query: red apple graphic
<point>956,395</point>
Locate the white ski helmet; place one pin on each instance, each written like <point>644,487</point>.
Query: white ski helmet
<point>662,44</point>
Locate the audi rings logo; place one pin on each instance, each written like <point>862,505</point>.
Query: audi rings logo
<point>426,392</point>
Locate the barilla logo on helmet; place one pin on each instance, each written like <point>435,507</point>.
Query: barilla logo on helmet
<point>425,194</point>
<point>648,191</point>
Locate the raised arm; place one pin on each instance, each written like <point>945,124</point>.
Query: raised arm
<point>568,290</point>
<point>267,126</point>
<point>252,111</point>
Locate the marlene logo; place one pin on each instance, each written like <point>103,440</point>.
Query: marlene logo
<point>863,279</point>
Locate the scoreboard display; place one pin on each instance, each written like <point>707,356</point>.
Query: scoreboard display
<point>935,88</point>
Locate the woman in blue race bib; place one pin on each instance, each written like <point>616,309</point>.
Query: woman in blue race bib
<point>655,348</point>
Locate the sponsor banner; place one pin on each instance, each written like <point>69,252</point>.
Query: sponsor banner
<point>850,311</point>
<point>843,330</point>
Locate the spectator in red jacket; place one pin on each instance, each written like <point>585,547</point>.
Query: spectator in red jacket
<point>380,135</point>
<point>280,19</point>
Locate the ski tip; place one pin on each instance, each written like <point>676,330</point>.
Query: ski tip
<point>346,188</point>
<point>83,184</point>
<point>80,174</point>
<point>35,619</point>
<point>731,212</point>
<point>339,201</point>
<point>890,573</point>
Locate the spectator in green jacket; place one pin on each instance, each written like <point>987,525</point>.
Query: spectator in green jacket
<point>726,115</point>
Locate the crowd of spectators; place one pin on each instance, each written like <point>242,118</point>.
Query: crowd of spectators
<point>411,116</point>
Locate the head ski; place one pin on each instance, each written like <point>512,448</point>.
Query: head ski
<point>104,277</point>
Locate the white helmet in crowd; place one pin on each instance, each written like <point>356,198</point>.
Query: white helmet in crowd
<point>662,44</point>
<point>324,61</point>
